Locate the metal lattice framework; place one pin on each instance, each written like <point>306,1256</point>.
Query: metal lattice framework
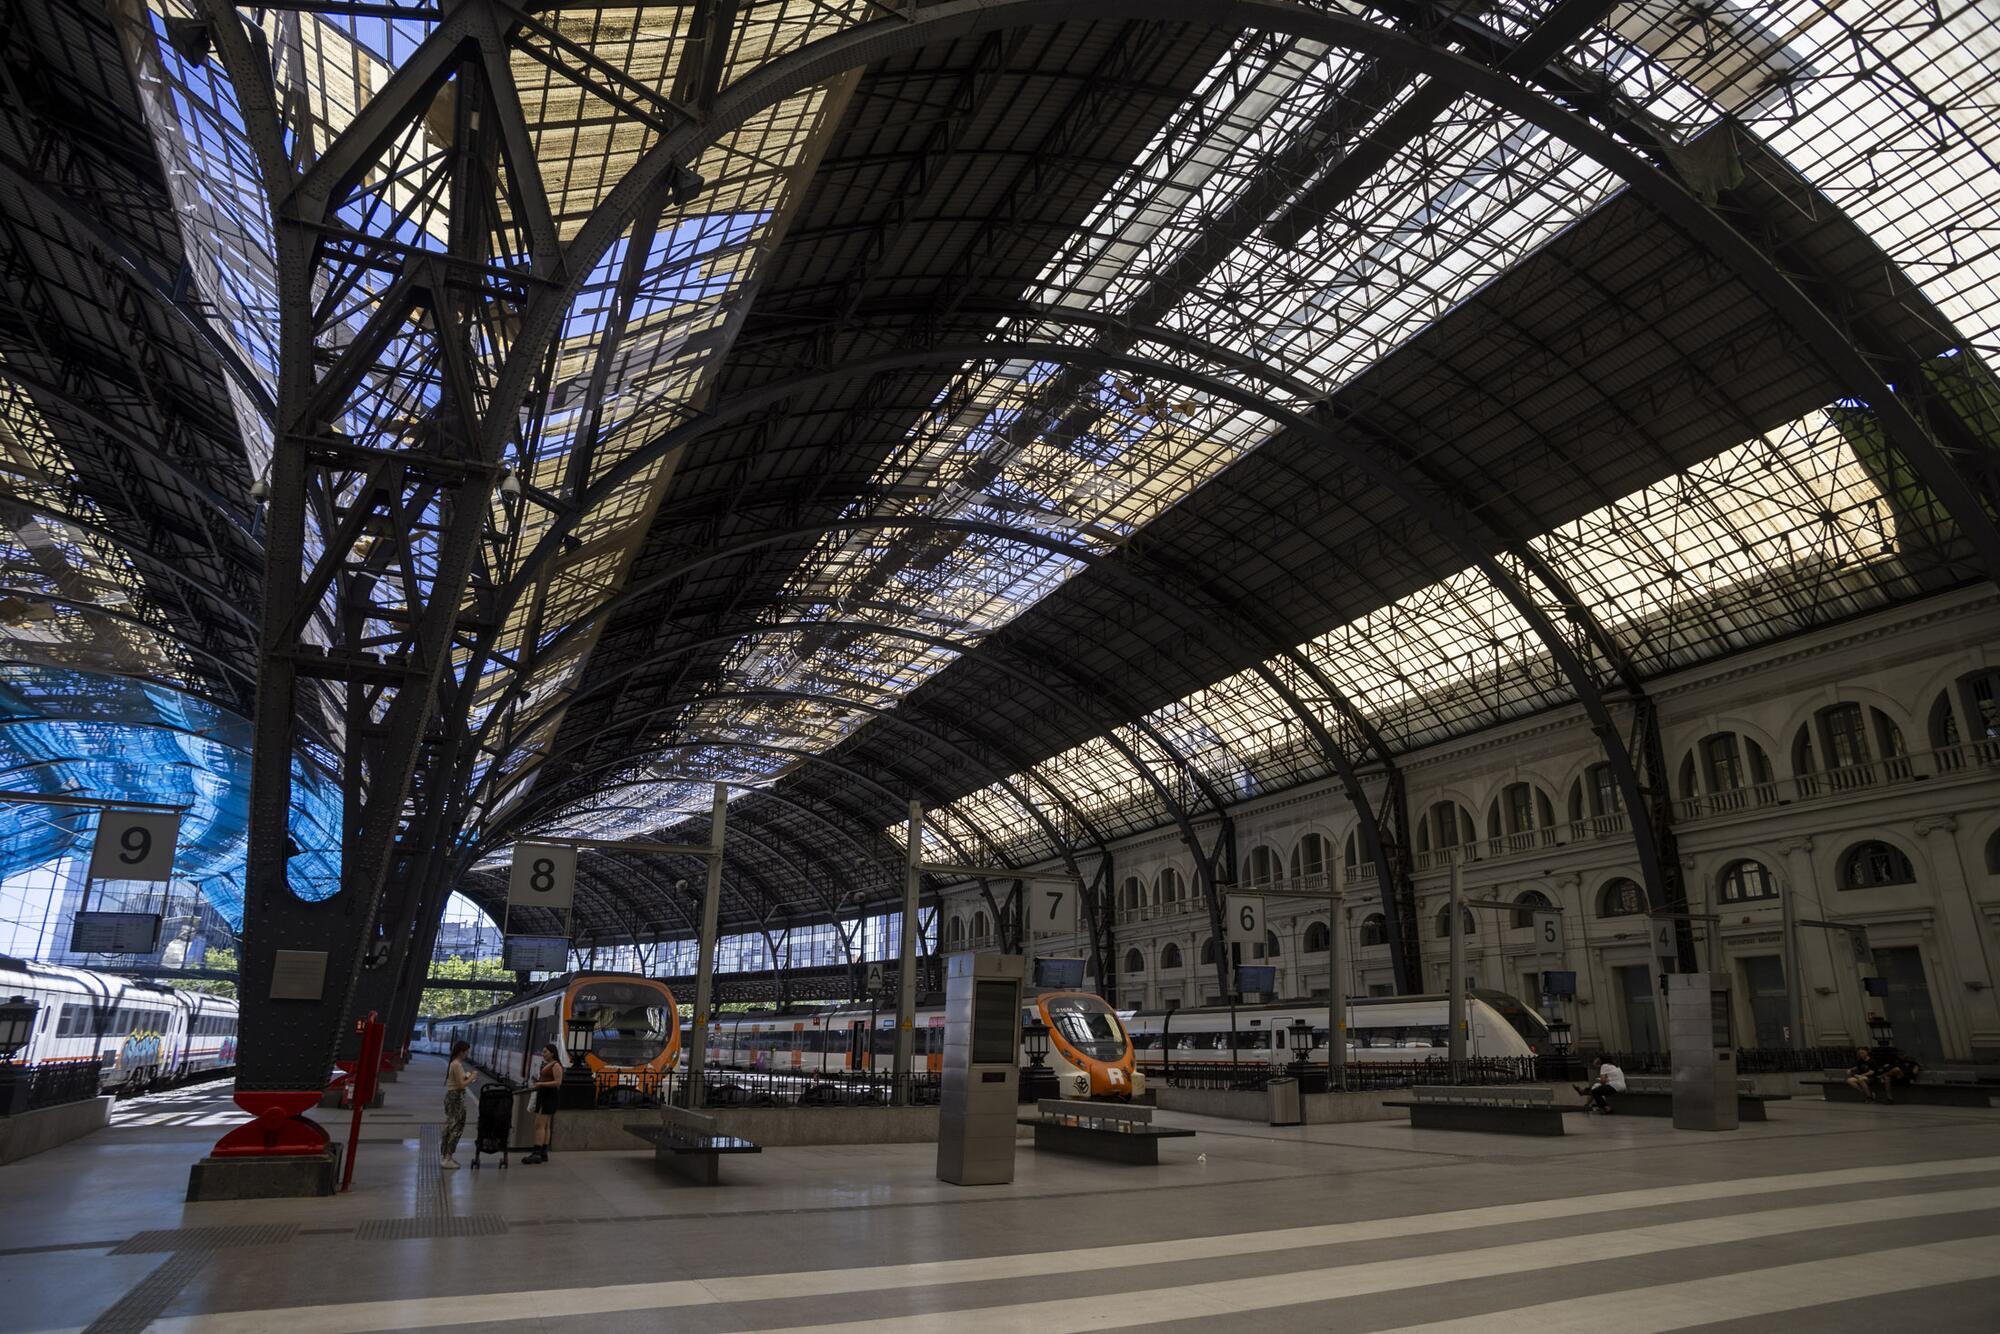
<point>1078,416</point>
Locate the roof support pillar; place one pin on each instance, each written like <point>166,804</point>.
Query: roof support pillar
<point>906,978</point>
<point>704,980</point>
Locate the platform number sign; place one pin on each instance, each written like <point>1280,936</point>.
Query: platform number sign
<point>1245,914</point>
<point>1051,907</point>
<point>134,845</point>
<point>1548,932</point>
<point>543,875</point>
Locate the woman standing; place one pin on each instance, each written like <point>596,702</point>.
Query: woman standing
<point>458,1078</point>
<point>547,1080</point>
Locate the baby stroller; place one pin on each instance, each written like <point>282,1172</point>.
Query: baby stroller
<point>496,1121</point>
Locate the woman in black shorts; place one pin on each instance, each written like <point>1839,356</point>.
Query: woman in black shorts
<point>547,1080</point>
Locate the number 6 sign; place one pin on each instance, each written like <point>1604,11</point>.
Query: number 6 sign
<point>134,845</point>
<point>1245,921</point>
<point>543,875</point>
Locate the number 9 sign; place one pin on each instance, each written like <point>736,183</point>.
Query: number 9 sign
<point>134,845</point>
<point>543,875</point>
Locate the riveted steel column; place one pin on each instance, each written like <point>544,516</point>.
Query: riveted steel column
<point>704,977</point>
<point>1456,934</point>
<point>906,978</point>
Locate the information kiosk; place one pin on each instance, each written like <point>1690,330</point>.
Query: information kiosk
<point>1704,1057</point>
<point>982,1066</point>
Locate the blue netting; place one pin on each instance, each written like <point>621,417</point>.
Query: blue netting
<point>124,740</point>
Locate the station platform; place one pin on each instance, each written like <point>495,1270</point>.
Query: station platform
<point>1828,1218</point>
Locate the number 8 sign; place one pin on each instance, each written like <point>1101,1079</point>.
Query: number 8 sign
<point>134,845</point>
<point>543,875</point>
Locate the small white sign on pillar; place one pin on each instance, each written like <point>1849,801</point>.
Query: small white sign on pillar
<point>1052,907</point>
<point>1548,932</point>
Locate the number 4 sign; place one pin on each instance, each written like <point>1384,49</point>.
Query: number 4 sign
<point>134,845</point>
<point>1051,907</point>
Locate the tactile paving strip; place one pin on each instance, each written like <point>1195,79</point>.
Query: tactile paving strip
<point>205,1238</point>
<point>190,1249</point>
<point>406,1229</point>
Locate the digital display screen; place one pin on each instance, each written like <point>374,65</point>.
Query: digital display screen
<point>1559,984</point>
<point>115,933</point>
<point>1718,1019</point>
<point>536,954</point>
<point>1059,974</point>
<point>996,1009</point>
<point>1261,979</point>
<point>1875,986</point>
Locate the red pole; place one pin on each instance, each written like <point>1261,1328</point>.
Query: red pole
<point>366,1069</point>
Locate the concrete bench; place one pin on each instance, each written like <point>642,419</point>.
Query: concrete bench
<point>1655,1097</point>
<point>1118,1132</point>
<point>1923,1092</point>
<point>685,1144</point>
<point>1493,1110</point>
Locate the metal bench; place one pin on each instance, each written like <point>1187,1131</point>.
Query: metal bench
<point>1952,1092</point>
<point>1119,1132</point>
<point>1651,1096</point>
<point>1504,1111</point>
<point>685,1144</point>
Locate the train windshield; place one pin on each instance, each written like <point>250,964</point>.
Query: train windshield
<point>630,1023</point>
<point>1520,1016</point>
<point>1087,1024</point>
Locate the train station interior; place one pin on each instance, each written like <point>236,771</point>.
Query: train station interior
<point>960,665</point>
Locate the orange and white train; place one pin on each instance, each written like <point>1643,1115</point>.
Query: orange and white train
<point>634,1038</point>
<point>1090,1052</point>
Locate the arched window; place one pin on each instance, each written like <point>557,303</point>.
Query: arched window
<point>1169,889</point>
<point>1595,796</point>
<point>1978,699</point>
<point>1525,906</point>
<point>1132,897</point>
<point>1727,771</point>
<point>1262,867</point>
<point>981,928</point>
<point>1170,956</point>
<point>1309,858</point>
<point>1845,746</point>
<point>1135,962</point>
<point>1353,857</point>
<point>1467,926</point>
<point>954,930</point>
<point>1873,864</point>
<point>1445,825</point>
<point>1270,944</point>
<point>1316,938</point>
<point>1518,814</point>
<point>1208,952</point>
<point>1744,880</point>
<point>1374,929</point>
<point>1621,898</point>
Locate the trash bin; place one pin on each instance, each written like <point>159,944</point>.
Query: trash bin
<point>1286,1105</point>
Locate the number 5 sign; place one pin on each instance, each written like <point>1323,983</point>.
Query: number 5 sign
<point>1245,921</point>
<point>134,845</point>
<point>543,876</point>
<point>1548,932</point>
<point>1051,907</point>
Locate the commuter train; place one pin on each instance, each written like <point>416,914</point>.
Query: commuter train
<point>1380,1029</point>
<point>140,1035</point>
<point>634,1036</point>
<point>1090,1053</point>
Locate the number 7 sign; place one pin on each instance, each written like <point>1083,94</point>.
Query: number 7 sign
<point>1051,907</point>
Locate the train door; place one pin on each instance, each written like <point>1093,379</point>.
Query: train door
<point>798,1046</point>
<point>858,1038</point>
<point>934,1045</point>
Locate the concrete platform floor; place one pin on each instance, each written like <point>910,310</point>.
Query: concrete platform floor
<point>1828,1218</point>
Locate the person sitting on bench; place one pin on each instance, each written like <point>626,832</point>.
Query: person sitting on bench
<point>1609,1080</point>
<point>1865,1076</point>
<point>1893,1068</point>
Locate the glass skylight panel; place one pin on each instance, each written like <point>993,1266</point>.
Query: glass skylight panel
<point>1778,534</point>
